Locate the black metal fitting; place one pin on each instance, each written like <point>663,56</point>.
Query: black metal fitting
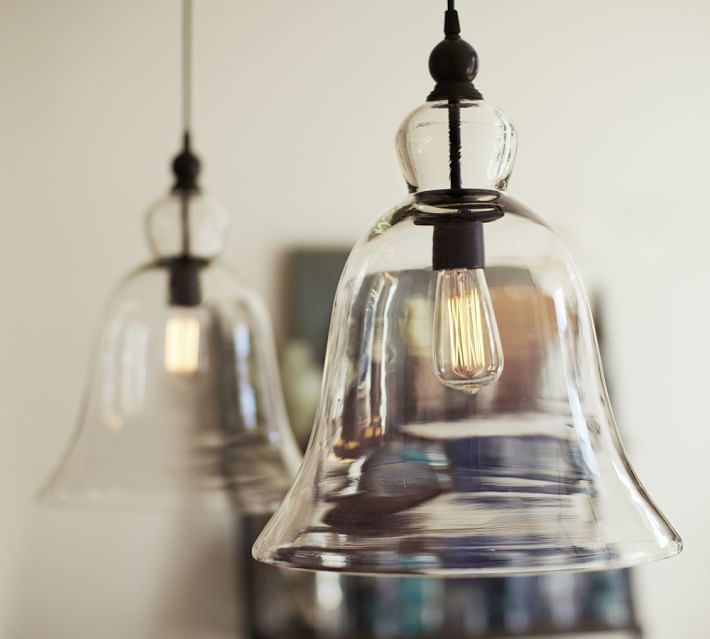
<point>186,168</point>
<point>184,280</point>
<point>458,244</point>
<point>453,64</point>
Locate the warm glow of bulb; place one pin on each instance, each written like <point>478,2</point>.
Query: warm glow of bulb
<point>467,350</point>
<point>182,345</point>
<point>467,342</point>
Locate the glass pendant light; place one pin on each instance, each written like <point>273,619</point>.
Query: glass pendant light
<point>184,397</point>
<point>429,456</point>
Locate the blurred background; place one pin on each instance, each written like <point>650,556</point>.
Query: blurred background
<point>295,109</point>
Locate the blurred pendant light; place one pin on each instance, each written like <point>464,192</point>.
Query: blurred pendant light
<point>428,455</point>
<point>184,397</point>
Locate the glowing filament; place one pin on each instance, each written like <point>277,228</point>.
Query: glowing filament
<point>182,345</point>
<point>467,349</point>
<point>466,336</point>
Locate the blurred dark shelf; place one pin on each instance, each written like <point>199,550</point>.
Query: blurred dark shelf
<point>595,632</point>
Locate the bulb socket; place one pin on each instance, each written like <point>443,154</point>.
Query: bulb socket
<point>184,281</point>
<point>458,244</point>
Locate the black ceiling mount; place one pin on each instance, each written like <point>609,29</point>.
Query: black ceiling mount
<point>453,63</point>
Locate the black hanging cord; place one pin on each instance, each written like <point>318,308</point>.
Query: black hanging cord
<point>455,144</point>
<point>452,27</point>
<point>457,241</point>
<point>186,165</point>
<point>184,284</point>
<point>186,69</point>
<point>186,121</point>
<point>453,64</point>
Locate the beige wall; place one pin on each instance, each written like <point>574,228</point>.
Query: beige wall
<point>297,104</point>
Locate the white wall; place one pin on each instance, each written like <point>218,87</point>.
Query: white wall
<point>297,104</point>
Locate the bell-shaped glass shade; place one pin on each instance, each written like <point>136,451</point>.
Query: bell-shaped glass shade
<point>407,473</point>
<point>184,398</point>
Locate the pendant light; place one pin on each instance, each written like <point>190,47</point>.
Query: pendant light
<point>464,426</point>
<point>183,398</point>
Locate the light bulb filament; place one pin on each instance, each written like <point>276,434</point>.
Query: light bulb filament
<point>182,345</point>
<point>467,349</point>
<point>466,335</point>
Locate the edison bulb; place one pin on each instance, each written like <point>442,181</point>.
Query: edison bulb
<point>182,345</point>
<point>467,349</point>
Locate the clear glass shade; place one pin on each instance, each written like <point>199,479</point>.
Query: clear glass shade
<point>412,471</point>
<point>183,398</point>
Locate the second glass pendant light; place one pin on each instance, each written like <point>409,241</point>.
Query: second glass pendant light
<point>429,455</point>
<point>184,398</point>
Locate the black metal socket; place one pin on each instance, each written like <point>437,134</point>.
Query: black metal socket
<point>458,244</point>
<point>184,285</point>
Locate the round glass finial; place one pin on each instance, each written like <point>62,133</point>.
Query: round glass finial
<point>187,224</point>
<point>487,146</point>
<point>456,141</point>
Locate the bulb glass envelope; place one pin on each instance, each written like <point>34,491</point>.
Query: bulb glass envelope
<point>183,398</point>
<point>407,475</point>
